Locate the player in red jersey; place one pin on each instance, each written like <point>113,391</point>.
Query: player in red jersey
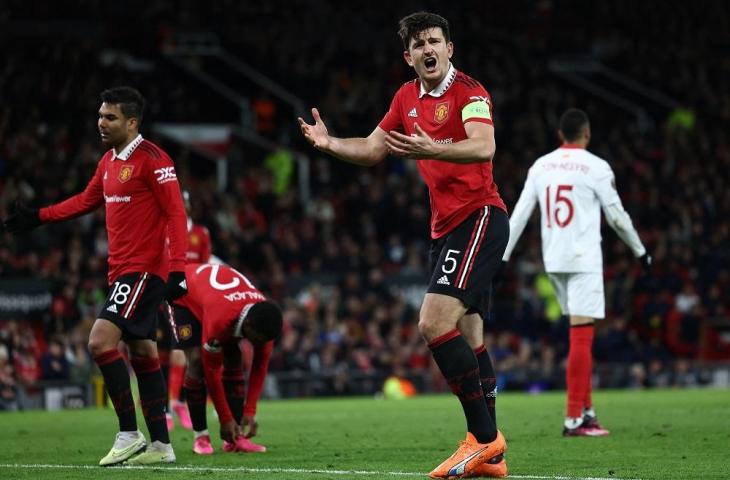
<point>221,308</point>
<point>136,182</point>
<point>443,120</point>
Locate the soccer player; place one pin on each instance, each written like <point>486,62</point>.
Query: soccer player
<point>443,120</point>
<point>572,186</point>
<point>136,181</point>
<point>221,308</point>
<point>172,359</point>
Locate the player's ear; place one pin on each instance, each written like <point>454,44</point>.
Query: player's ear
<point>407,57</point>
<point>561,137</point>
<point>450,49</point>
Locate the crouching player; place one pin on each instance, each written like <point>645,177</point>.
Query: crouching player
<point>221,308</point>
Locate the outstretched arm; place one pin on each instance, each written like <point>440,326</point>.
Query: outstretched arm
<point>359,151</point>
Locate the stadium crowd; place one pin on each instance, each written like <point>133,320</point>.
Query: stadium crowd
<point>342,264</point>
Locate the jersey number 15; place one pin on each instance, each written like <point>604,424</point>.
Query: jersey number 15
<point>553,208</point>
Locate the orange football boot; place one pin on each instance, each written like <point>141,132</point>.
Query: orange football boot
<point>468,456</point>
<point>495,467</point>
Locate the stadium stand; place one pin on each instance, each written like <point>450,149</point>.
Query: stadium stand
<point>348,259</point>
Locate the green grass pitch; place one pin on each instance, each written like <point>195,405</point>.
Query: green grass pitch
<point>667,434</point>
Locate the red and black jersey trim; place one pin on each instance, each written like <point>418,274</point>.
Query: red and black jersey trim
<point>467,80</point>
<point>151,149</point>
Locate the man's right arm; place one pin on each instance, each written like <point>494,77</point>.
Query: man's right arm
<point>520,216</point>
<point>87,201</point>
<point>365,152</point>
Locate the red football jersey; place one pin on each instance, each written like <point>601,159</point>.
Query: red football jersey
<point>219,296</point>
<point>455,189</point>
<point>143,206</point>
<point>199,248</point>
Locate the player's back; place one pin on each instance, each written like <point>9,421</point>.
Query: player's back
<point>566,183</point>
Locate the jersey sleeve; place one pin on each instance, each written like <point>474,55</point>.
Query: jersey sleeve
<point>87,201</point>
<point>392,119</point>
<point>212,369</point>
<point>162,181</point>
<point>476,105</point>
<point>521,214</point>
<point>259,369</point>
<point>616,217</point>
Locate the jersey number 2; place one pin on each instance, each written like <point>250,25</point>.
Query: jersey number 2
<point>554,213</point>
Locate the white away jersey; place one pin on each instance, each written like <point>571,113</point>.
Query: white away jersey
<point>572,185</point>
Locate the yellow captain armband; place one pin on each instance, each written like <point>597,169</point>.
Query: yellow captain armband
<point>478,109</point>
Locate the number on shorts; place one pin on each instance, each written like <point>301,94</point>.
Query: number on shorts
<point>120,293</point>
<point>450,260</point>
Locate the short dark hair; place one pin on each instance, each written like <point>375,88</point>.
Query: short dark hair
<point>409,27</point>
<point>572,123</point>
<point>265,319</point>
<point>130,101</point>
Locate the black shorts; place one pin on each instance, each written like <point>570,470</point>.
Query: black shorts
<point>163,332</point>
<point>188,327</point>
<point>132,304</point>
<point>464,261</point>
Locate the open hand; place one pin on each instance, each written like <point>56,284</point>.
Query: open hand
<point>316,134</point>
<point>419,145</point>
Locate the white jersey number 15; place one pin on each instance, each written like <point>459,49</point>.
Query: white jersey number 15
<point>559,209</point>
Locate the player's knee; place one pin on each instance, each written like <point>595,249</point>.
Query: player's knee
<point>97,346</point>
<point>429,327</point>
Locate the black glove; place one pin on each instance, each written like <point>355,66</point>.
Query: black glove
<point>646,262</point>
<point>176,286</point>
<point>23,219</point>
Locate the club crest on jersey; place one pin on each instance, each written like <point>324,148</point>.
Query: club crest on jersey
<point>194,240</point>
<point>184,332</point>
<point>125,173</point>
<point>441,113</point>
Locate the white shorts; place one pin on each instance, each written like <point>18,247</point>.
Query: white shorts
<point>580,293</point>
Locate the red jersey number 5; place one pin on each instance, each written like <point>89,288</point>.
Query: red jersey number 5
<point>562,220</point>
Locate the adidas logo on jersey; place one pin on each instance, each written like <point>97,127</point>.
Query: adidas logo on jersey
<point>443,280</point>
<point>413,112</point>
<point>112,308</point>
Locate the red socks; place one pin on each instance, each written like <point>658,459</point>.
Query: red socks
<point>580,368</point>
<point>177,373</point>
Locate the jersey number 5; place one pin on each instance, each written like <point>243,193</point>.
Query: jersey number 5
<point>555,212</point>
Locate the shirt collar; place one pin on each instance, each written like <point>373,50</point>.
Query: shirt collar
<point>128,150</point>
<point>441,87</point>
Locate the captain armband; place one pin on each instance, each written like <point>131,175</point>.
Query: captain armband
<point>476,110</point>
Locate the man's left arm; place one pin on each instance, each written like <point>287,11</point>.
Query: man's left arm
<point>259,369</point>
<point>618,219</point>
<point>166,190</point>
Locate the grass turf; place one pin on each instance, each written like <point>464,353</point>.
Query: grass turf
<point>667,434</point>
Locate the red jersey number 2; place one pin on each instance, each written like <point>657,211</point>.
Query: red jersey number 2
<point>555,212</point>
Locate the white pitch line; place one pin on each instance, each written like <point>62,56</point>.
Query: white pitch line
<point>41,466</point>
